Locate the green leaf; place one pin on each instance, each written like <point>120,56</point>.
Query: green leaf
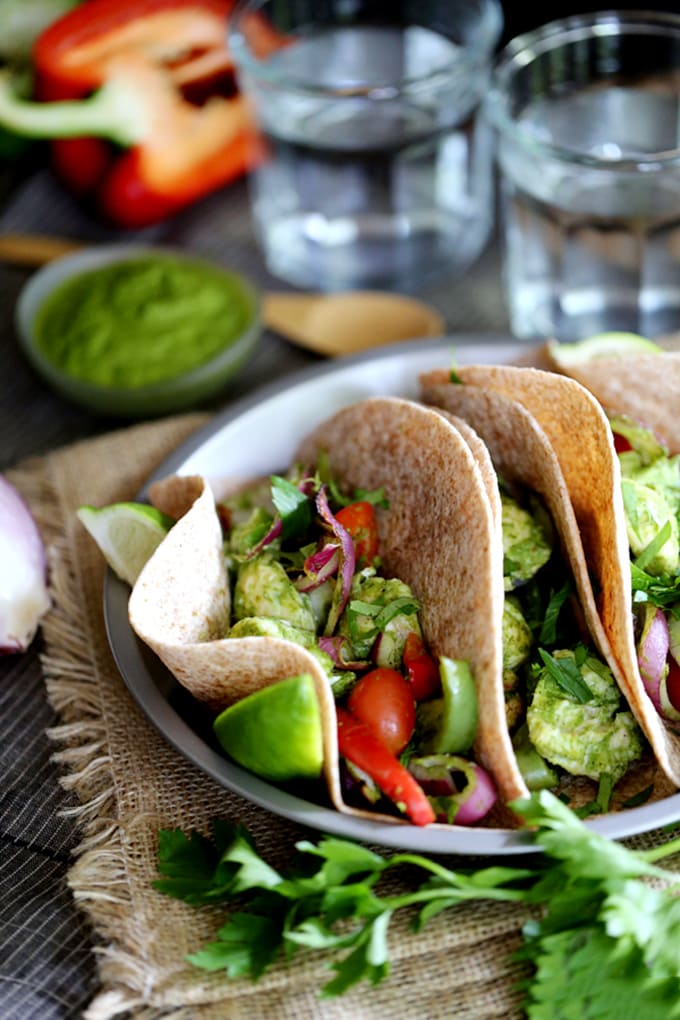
<point>368,961</point>
<point>653,547</point>
<point>295,509</point>
<point>404,606</point>
<point>200,871</point>
<point>376,497</point>
<point>567,675</point>
<point>662,591</point>
<point>548,632</point>
<point>244,947</point>
<point>639,798</point>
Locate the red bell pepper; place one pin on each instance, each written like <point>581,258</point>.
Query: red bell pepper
<point>358,743</point>
<point>153,77</point>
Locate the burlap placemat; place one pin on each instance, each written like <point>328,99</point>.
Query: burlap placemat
<point>130,783</point>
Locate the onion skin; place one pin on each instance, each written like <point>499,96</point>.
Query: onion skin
<point>23,589</point>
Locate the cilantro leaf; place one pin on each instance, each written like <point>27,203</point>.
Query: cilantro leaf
<point>662,590</point>
<point>200,871</point>
<point>244,947</point>
<point>294,507</point>
<point>605,944</point>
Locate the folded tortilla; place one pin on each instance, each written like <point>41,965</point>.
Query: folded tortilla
<point>438,536</point>
<point>644,386</point>
<point>581,438</point>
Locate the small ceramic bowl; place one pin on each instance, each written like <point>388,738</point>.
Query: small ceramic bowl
<point>175,393</point>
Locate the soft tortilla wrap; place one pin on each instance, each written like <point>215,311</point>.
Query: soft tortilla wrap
<point>437,536</point>
<point>644,386</point>
<point>522,451</point>
<point>579,433</point>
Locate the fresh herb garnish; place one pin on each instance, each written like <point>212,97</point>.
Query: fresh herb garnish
<point>641,797</point>
<point>566,673</point>
<point>548,633</point>
<point>653,547</point>
<point>600,805</point>
<point>662,591</point>
<point>294,507</point>
<point>605,944</point>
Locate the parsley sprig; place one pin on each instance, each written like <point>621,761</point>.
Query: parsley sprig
<point>607,943</point>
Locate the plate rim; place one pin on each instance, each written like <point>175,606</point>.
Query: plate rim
<point>129,654</point>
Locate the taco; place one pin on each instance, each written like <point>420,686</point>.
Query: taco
<point>572,708</point>
<point>585,441</point>
<point>646,387</point>
<point>431,598</point>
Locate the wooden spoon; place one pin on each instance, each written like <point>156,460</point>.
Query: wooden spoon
<point>331,324</point>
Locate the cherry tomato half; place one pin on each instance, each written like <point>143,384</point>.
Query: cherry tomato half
<point>422,671</point>
<point>383,700</point>
<point>359,520</point>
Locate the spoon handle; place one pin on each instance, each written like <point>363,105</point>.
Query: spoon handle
<point>34,249</point>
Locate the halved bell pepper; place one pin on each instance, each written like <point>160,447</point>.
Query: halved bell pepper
<point>140,100</point>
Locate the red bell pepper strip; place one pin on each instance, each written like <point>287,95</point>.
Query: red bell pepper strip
<point>121,70</point>
<point>422,672</point>
<point>358,743</point>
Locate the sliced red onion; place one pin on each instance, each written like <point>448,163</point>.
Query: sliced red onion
<point>273,533</point>
<point>347,561</point>
<point>335,646</point>
<point>439,776</point>
<point>319,567</point>
<point>23,569</point>
<point>655,659</point>
<point>653,649</point>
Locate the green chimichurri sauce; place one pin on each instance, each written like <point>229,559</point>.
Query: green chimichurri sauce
<point>141,321</point>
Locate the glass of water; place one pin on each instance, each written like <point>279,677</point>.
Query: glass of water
<point>587,112</point>
<point>373,169</point>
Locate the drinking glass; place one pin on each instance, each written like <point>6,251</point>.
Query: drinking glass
<point>373,170</point>
<point>587,113</point>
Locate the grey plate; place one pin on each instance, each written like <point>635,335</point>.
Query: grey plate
<point>258,436</point>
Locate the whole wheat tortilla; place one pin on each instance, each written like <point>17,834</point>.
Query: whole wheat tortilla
<point>644,386</point>
<point>522,452</point>
<point>180,607</point>
<point>438,536</point>
<point>439,526</point>
<point>579,433</point>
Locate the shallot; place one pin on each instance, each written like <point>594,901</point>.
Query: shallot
<point>23,572</point>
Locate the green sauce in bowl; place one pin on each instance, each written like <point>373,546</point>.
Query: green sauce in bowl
<point>137,331</point>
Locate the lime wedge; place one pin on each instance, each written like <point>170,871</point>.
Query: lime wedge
<point>603,345</point>
<point>126,533</point>
<point>275,732</point>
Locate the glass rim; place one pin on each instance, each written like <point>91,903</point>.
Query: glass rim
<point>523,49</point>
<point>491,19</point>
